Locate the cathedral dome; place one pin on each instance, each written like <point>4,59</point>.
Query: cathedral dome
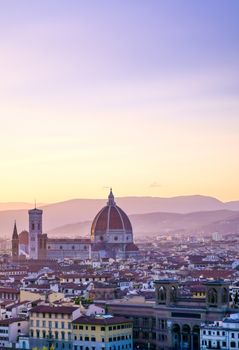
<point>110,220</point>
<point>24,237</point>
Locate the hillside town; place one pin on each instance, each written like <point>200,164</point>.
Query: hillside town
<point>106,292</point>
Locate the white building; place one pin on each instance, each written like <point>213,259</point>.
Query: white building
<point>216,236</point>
<point>10,330</point>
<point>221,334</point>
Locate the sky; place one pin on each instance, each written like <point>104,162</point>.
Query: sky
<point>141,96</point>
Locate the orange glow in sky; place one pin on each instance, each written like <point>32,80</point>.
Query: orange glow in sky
<point>140,98</point>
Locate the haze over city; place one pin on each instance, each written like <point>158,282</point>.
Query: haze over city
<point>119,201</point>
<point>140,96</point>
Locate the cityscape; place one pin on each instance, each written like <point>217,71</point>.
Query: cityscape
<point>119,201</point>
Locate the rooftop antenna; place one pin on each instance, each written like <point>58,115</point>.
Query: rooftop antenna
<point>35,203</point>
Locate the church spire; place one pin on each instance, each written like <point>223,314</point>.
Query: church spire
<point>15,243</point>
<point>15,234</point>
<point>111,198</point>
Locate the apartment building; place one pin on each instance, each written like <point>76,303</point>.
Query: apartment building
<point>102,332</point>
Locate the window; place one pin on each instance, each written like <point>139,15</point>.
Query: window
<point>92,338</point>
<point>56,324</point>
<point>93,328</point>
<point>102,329</point>
<point>233,335</point>
<point>233,344</point>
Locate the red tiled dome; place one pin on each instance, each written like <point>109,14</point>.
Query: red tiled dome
<point>111,218</point>
<point>23,237</point>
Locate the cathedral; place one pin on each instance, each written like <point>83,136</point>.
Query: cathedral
<point>111,237</point>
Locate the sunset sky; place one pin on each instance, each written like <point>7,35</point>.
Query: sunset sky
<point>139,95</point>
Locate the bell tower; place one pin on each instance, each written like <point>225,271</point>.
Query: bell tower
<point>217,294</point>
<point>35,230</point>
<point>166,292</point>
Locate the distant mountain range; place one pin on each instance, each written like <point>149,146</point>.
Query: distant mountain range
<point>153,224</point>
<point>148,214</point>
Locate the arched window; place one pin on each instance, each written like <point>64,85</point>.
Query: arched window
<point>161,294</point>
<point>212,296</point>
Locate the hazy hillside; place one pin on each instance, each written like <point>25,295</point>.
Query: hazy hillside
<point>234,205</point>
<point>155,223</point>
<point>83,210</point>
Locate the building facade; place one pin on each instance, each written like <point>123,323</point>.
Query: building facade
<point>10,330</point>
<point>103,332</point>
<point>68,248</point>
<point>51,327</point>
<point>172,322</point>
<point>221,334</point>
